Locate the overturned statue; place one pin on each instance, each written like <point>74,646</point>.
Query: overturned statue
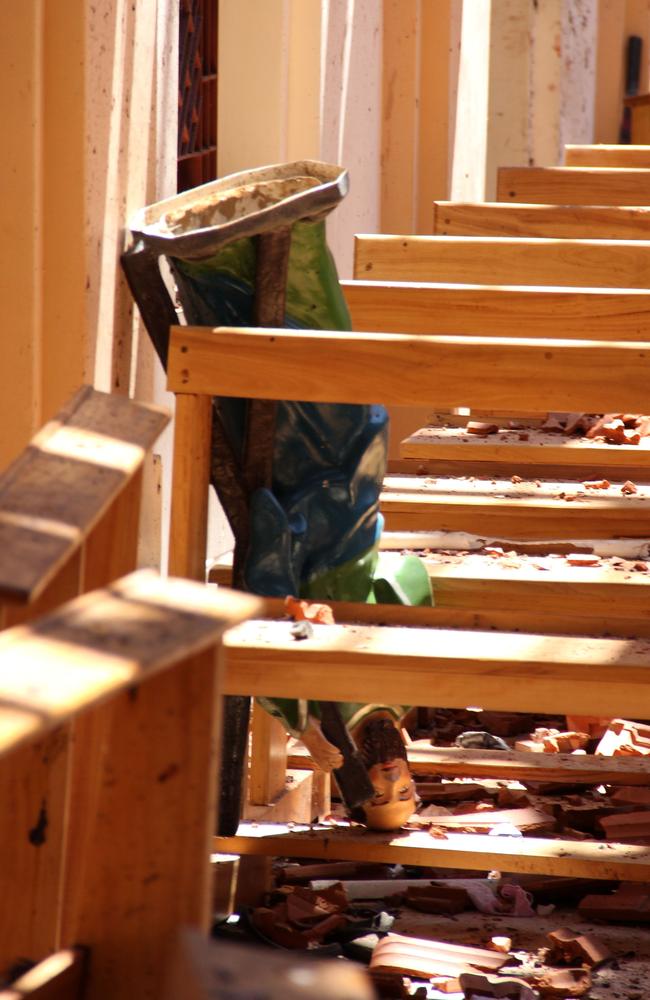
<point>299,482</point>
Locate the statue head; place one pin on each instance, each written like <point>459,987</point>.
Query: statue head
<point>381,745</point>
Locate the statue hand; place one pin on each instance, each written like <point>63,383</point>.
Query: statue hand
<point>325,754</point>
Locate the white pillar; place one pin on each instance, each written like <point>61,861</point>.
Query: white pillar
<point>351,97</point>
<point>578,82</point>
<point>527,86</point>
<point>469,156</point>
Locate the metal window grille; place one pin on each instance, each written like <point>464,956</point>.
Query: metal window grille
<point>197,93</point>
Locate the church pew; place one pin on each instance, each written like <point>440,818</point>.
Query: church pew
<point>530,451</point>
<point>483,372</point>
<point>69,512</point>
<point>498,310</point>
<point>481,592</point>
<point>574,185</point>
<point>604,155</point>
<point>61,976</point>
<point>504,261</point>
<point>503,509</point>
<point>400,369</point>
<point>135,664</point>
<point>520,672</point>
<point>523,672</point>
<point>579,222</point>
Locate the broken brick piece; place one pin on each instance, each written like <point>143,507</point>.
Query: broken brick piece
<point>565,742</point>
<point>320,614</point>
<point>624,737</point>
<point>629,487</point>
<point>564,983</point>
<point>473,984</point>
<point>480,428</point>
<point>567,946</point>
<point>530,746</point>
<point>628,905</point>
<point>582,559</point>
<point>500,943</point>
<point>593,724</point>
<point>421,957</point>
<point>632,795</point>
<point>628,827</point>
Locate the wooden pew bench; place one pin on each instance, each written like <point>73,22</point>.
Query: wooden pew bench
<point>417,664</point>
<point>603,155</point>
<point>69,512</point>
<point>574,185</point>
<point>135,668</point>
<point>577,222</point>
<point>523,672</point>
<point>538,592</point>
<point>504,260</point>
<point>422,308</point>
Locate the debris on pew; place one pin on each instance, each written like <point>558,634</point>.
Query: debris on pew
<point>421,933</point>
<point>412,950</point>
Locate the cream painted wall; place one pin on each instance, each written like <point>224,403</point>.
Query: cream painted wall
<point>20,252</point>
<point>42,262</point>
<point>305,83</point>
<point>351,62</point>
<point>131,128</point>
<point>92,121</point>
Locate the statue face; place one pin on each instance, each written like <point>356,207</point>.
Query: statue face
<point>394,800</point>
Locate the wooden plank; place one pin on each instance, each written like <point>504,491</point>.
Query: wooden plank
<point>587,222</point>
<point>547,586</point>
<point>562,767</point>
<point>504,260</point>
<point>33,785</point>
<point>573,185</point>
<point>294,803</point>
<point>516,510</point>
<point>191,475</point>
<point>502,311</point>
<point>58,977</point>
<point>110,550</point>
<point>144,782</point>
<point>138,862</point>
<point>341,367</point>
<point>510,672</point>
<point>505,469</point>
<point>528,619</point>
<point>102,643</point>
<point>268,759</point>
<point>61,485</point>
<point>482,582</point>
<point>454,444</point>
<point>452,762</point>
<point>604,155</point>
<point>533,855</point>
